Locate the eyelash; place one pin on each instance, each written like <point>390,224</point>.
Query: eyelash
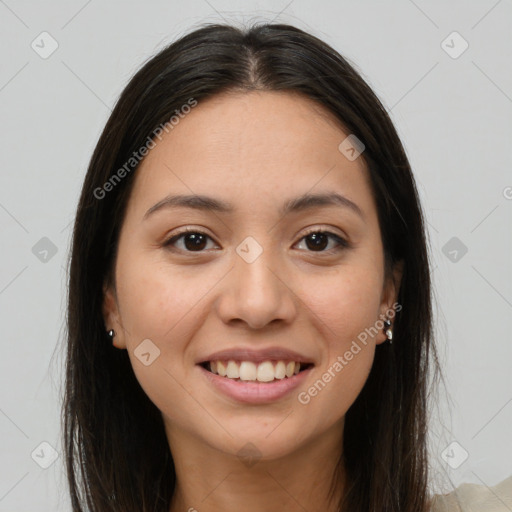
<point>342,243</point>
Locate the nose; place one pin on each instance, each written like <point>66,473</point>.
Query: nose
<point>257,293</point>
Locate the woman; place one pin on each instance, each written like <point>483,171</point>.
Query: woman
<point>249,314</point>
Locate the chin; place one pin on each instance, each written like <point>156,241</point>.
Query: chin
<point>266,441</point>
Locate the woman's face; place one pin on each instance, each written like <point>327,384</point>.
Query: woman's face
<point>256,281</point>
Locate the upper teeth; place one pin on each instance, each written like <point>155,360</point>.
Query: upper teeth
<point>247,370</point>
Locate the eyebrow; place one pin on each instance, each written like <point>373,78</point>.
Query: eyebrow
<point>298,204</point>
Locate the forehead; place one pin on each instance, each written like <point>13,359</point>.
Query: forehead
<point>247,146</point>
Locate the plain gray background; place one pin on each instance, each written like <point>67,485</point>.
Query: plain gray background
<point>452,110</point>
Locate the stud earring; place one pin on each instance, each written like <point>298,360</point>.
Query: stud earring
<point>388,331</point>
<point>111,333</point>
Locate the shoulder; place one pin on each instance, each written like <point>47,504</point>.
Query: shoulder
<point>475,498</point>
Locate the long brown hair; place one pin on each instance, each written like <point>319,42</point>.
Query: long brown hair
<point>117,453</point>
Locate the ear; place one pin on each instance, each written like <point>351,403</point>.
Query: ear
<point>112,317</point>
<point>390,297</point>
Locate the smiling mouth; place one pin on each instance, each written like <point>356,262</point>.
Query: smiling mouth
<point>266,371</point>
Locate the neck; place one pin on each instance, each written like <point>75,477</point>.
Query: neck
<point>210,480</point>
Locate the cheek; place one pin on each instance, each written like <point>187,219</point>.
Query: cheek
<point>157,302</point>
<point>155,305</point>
<point>343,304</point>
<point>344,310</point>
<point>163,308</point>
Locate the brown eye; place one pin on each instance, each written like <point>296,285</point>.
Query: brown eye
<point>193,241</point>
<point>317,241</point>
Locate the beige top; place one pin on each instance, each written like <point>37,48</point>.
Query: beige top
<point>476,498</point>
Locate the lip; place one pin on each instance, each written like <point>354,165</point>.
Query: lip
<point>252,392</point>
<point>256,356</point>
